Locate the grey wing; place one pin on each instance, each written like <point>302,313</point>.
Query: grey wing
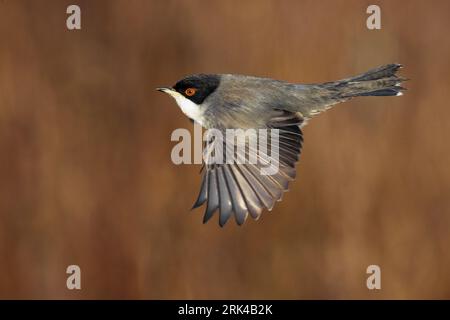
<point>240,189</point>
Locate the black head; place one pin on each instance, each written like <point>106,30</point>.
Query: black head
<point>197,87</point>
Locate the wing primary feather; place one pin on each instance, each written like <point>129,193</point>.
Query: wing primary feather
<point>225,205</point>
<point>253,202</point>
<point>203,194</point>
<point>213,197</point>
<point>282,165</point>
<point>270,185</point>
<point>264,195</point>
<point>238,200</point>
<point>264,179</point>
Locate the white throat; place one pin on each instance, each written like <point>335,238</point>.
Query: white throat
<point>188,107</point>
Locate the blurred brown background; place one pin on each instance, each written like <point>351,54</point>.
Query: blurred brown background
<point>86,176</point>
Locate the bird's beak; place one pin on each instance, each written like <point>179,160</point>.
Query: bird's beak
<point>165,90</point>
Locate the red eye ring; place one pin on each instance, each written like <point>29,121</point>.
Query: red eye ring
<point>190,91</point>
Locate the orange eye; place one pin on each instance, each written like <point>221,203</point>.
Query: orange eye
<point>190,92</point>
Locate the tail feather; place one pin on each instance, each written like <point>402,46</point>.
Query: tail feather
<point>385,71</point>
<point>381,81</point>
<point>382,92</point>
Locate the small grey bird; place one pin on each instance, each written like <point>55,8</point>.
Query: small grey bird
<point>228,101</point>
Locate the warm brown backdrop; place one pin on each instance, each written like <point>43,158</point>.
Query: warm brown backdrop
<point>86,176</point>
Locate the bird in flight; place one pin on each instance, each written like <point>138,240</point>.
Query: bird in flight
<point>229,101</point>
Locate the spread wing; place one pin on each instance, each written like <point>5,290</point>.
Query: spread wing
<point>240,188</point>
